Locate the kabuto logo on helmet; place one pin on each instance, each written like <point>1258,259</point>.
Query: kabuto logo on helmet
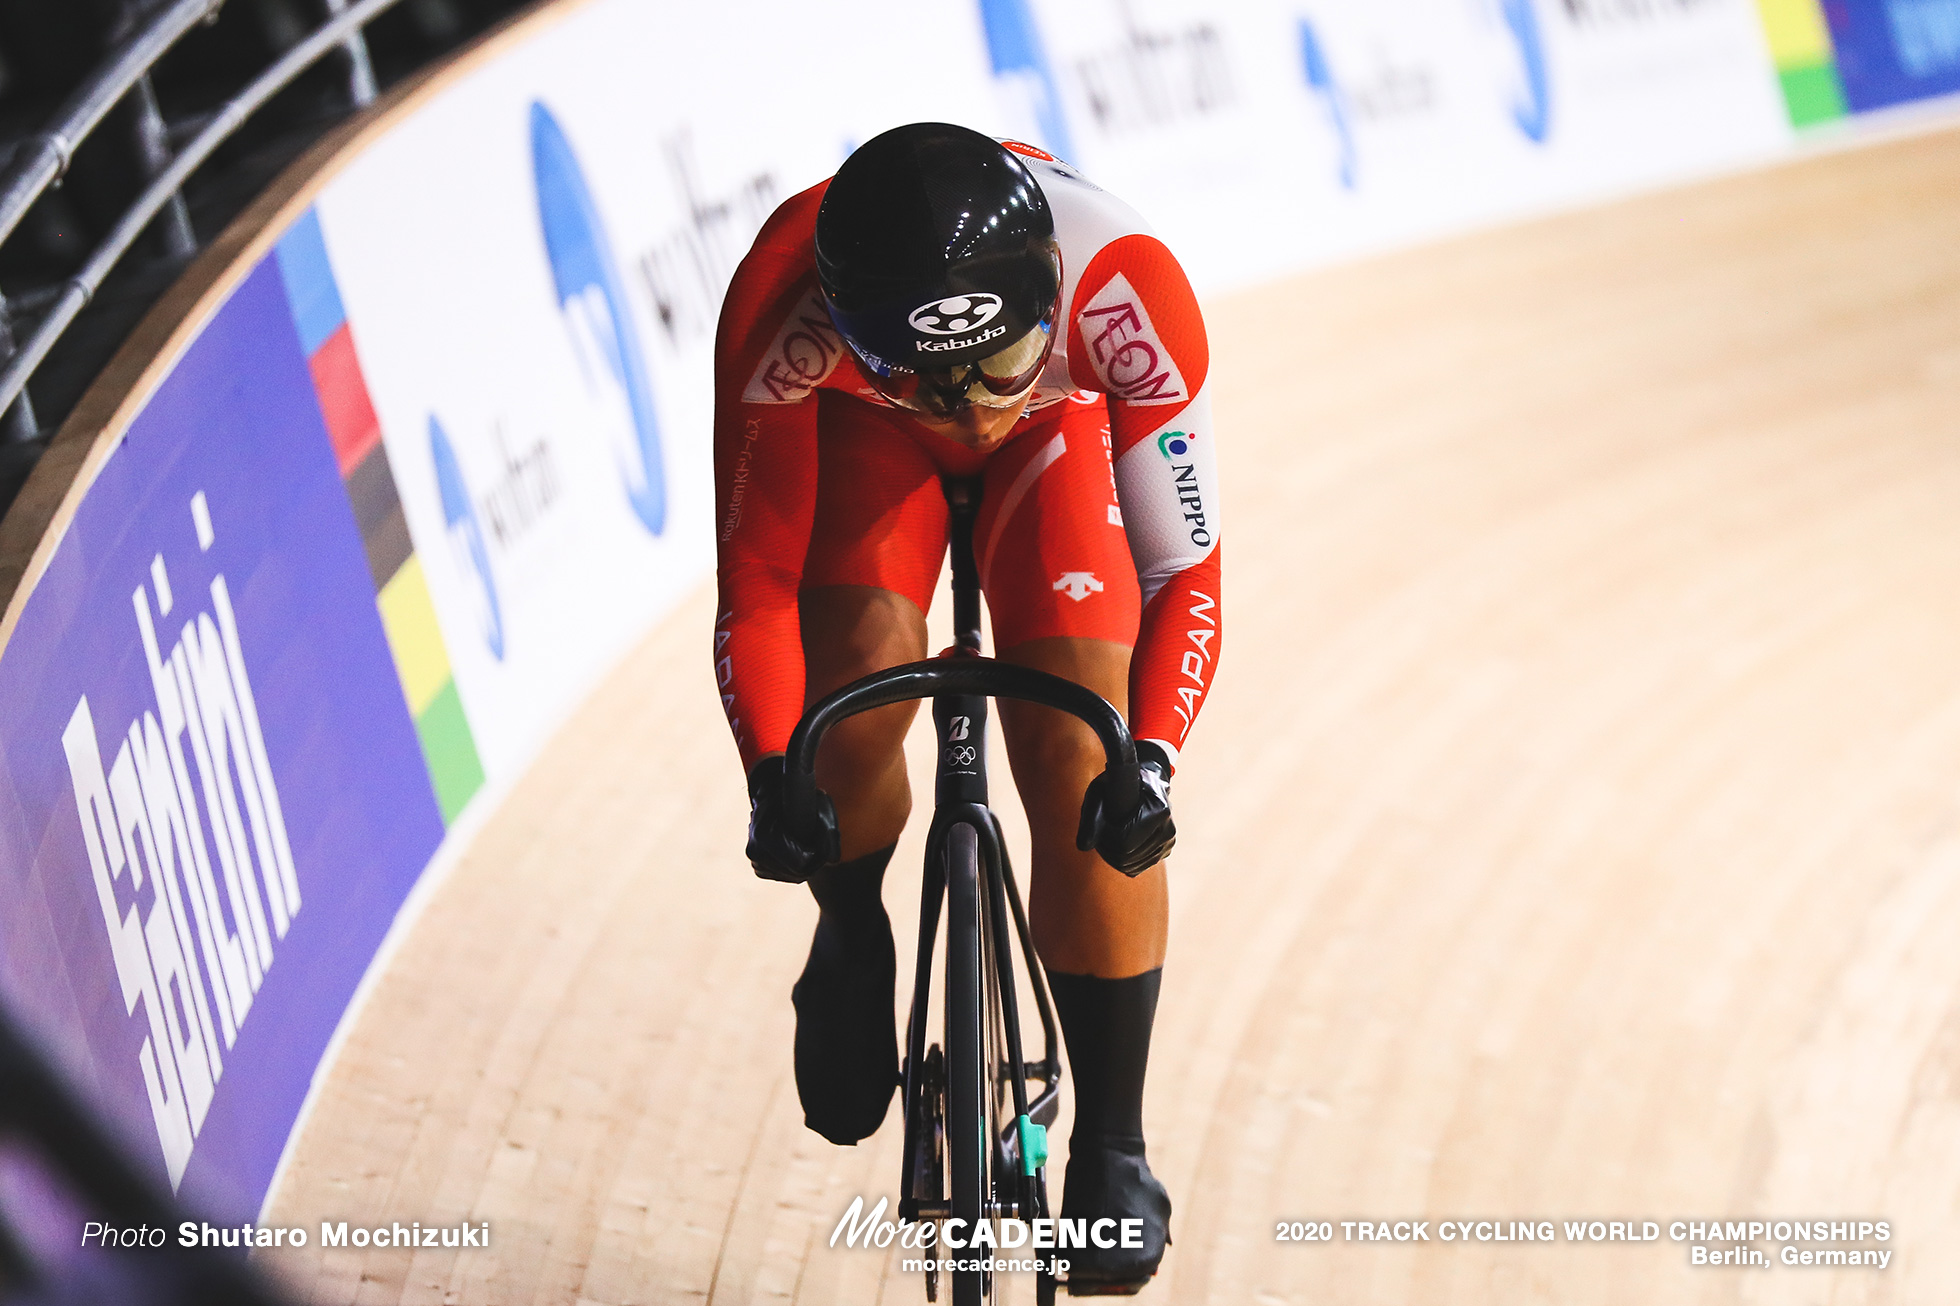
<point>947,346</point>
<point>955,314</point>
<point>925,214</point>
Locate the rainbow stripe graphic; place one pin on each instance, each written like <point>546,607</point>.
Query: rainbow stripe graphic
<point>1806,60</point>
<point>401,592</point>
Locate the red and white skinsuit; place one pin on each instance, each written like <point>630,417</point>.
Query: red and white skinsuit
<point>1099,513</point>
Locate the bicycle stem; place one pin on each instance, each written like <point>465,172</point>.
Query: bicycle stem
<point>965,672</point>
<point>975,675</point>
<point>963,508</point>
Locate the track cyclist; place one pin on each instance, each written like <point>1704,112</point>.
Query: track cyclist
<point>950,305</point>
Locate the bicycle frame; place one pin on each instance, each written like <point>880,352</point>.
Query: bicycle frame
<point>959,683</point>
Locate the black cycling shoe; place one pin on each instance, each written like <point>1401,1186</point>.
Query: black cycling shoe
<point>1110,1178</point>
<point>846,1036</point>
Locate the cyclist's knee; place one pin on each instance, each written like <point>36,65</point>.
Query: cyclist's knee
<point>865,749</point>
<point>849,631</point>
<point>1100,664</point>
<point>1055,755</point>
<point>1054,751</point>
<point>862,767</point>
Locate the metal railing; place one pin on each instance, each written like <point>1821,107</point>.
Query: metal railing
<point>40,162</point>
<point>39,1113</point>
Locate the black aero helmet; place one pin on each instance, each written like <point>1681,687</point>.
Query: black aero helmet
<point>936,253</point>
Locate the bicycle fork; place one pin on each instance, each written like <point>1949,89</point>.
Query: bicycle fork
<point>960,724</point>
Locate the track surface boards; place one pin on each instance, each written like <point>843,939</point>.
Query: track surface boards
<point>1575,830</point>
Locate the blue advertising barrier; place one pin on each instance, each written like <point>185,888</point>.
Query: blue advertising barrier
<point>1895,51</point>
<point>214,799</point>
<point>232,735</point>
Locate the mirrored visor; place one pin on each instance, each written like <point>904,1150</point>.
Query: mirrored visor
<point>999,380</point>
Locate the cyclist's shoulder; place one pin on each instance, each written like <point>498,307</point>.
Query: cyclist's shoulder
<point>782,257</point>
<point>1090,222</point>
<point>791,229</point>
<point>775,279</point>
<point>1110,254</point>
<point>776,337</point>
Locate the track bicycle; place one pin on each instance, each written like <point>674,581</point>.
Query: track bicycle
<point>976,1142</point>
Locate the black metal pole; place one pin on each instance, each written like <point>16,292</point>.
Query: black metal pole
<point>151,137</point>
<point>360,66</point>
<point>963,504</point>
<point>18,425</point>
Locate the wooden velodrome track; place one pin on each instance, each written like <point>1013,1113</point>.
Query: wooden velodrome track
<point>1574,832</point>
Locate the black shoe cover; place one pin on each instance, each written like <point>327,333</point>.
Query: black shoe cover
<point>846,1037</point>
<point>1109,1178</point>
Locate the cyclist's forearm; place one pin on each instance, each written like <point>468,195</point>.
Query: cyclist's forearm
<point>1177,651</point>
<point>758,662</point>
<point>765,474</point>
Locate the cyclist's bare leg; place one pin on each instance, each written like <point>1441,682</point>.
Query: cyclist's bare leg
<point>1102,937</point>
<point>846,1047</point>
<point>1087,918</point>
<point>850,631</point>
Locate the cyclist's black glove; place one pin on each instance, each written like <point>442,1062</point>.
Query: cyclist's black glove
<point>783,844</point>
<point>1132,841</point>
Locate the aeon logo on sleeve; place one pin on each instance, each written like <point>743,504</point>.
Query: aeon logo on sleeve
<point>597,315</point>
<point>1320,80</point>
<point>1022,71</point>
<point>1128,355</point>
<point>466,542</point>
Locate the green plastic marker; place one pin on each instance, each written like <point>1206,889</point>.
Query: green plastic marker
<point>1034,1145</point>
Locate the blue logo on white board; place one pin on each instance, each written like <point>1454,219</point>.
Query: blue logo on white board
<point>597,314</point>
<point>1021,63</point>
<point>1531,111</point>
<point>1320,80</point>
<point>466,544</point>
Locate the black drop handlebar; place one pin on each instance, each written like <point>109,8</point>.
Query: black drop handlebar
<point>963,675</point>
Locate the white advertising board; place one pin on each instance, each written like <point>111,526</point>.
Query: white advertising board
<point>533,266</point>
<point>533,262</point>
<point>1267,135</point>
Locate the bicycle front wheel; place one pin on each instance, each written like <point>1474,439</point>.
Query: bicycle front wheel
<point>967,1142</point>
